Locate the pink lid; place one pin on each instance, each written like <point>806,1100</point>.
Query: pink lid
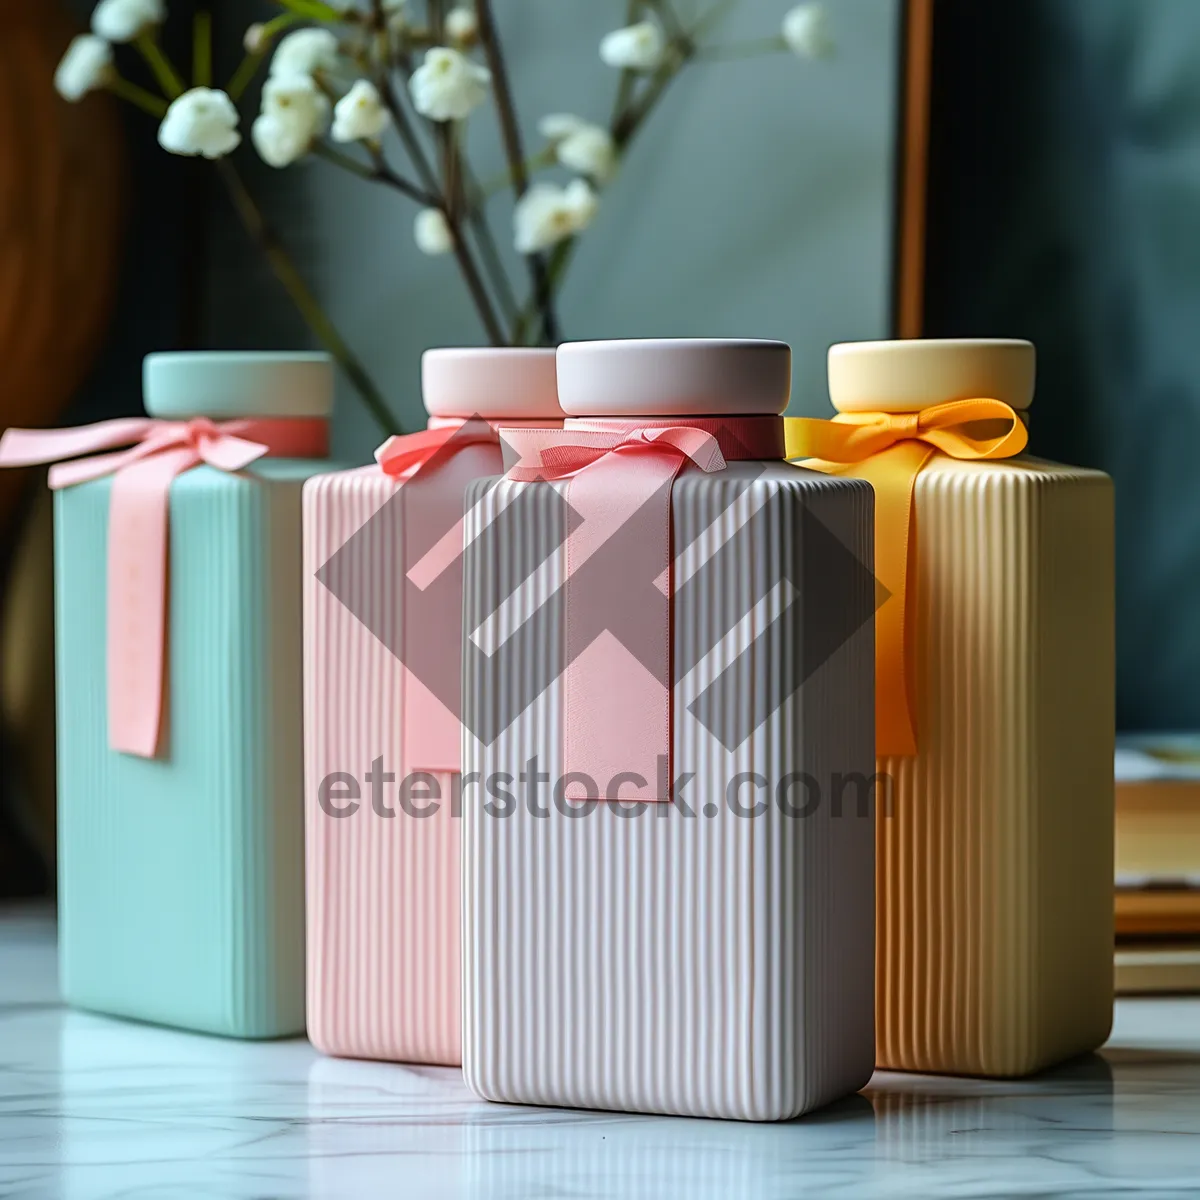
<point>495,382</point>
<point>674,377</point>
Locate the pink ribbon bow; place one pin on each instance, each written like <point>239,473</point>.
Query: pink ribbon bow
<point>617,679</point>
<point>138,523</point>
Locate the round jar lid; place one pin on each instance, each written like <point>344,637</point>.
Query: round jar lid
<point>907,376</point>
<point>226,385</point>
<point>674,377</point>
<point>497,383</point>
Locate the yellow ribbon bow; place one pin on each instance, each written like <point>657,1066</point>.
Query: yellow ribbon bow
<point>889,451</point>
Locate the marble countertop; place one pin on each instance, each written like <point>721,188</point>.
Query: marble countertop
<point>93,1108</point>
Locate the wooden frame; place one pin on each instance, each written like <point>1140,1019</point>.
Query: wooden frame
<point>912,167</point>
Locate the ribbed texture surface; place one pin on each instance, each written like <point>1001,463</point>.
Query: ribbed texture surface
<point>995,870</point>
<point>383,890</point>
<point>181,878</point>
<point>712,966</point>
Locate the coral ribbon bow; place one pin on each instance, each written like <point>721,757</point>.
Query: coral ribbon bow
<point>889,450</point>
<point>404,454</point>
<point>138,524</point>
<point>617,675</point>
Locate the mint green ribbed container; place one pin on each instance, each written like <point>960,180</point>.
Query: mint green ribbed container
<point>181,878</point>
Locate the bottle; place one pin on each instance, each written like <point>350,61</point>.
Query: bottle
<point>177,578</point>
<point>995,855</point>
<point>383,665</point>
<point>668,843</point>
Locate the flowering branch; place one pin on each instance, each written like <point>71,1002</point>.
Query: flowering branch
<point>342,75</point>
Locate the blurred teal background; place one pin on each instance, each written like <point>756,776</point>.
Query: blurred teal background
<point>1065,208</point>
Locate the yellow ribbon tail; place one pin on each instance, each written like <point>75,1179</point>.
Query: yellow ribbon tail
<point>892,473</point>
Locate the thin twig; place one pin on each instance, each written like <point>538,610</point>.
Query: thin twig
<point>493,264</point>
<point>202,51</point>
<point>306,303</point>
<point>510,133</point>
<point>733,50</point>
<point>148,102</point>
<point>378,171</point>
<point>408,135</point>
<point>166,75</point>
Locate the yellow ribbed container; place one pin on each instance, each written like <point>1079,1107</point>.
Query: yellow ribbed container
<point>994,951</point>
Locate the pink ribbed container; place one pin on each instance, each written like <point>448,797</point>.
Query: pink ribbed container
<point>382,886</point>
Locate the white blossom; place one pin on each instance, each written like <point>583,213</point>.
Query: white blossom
<point>581,145</point>
<point>305,52</point>
<point>547,214</point>
<point>360,115</point>
<point>447,85</point>
<point>431,232</point>
<point>86,65</point>
<point>462,26</point>
<point>295,112</point>
<point>806,31</point>
<point>201,121</point>
<point>123,20</point>
<point>639,47</point>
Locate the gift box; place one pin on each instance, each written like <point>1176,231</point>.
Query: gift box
<point>995,719</point>
<point>177,579</point>
<point>668,845</point>
<point>383,666</point>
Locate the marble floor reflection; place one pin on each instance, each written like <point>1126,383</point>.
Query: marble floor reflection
<point>94,1108</point>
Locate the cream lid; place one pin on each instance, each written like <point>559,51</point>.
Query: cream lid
<point>907,376</point>
<point>497,383</point>
<point>674,377</point>
<point>227,384</point>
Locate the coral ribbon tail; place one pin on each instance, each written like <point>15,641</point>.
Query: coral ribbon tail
<point>422,464</point>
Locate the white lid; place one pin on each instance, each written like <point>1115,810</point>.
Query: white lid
<point>227,384</point>
<point>494,382</point>
<point>907,376</point>
<point>672,377</point>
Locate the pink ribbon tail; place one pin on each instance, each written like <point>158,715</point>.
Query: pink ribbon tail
<point>617,699</point>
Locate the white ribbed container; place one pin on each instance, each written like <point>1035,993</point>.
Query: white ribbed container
<point>712,965</point>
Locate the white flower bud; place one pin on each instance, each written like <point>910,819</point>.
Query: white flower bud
<point>305,52</point>
<point>806,31</point>
<point>581,145</point>
<point>201,121</point>
<point>360,115</point>
<point>86,65</point>
<point>256,40</point>
<point>295,112</point>
<point>123,20</point>
<point>640,47</point>
<point>547,214</point>
<point>462,26</point>
<point>432,233</point>
<point>448,85</point>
